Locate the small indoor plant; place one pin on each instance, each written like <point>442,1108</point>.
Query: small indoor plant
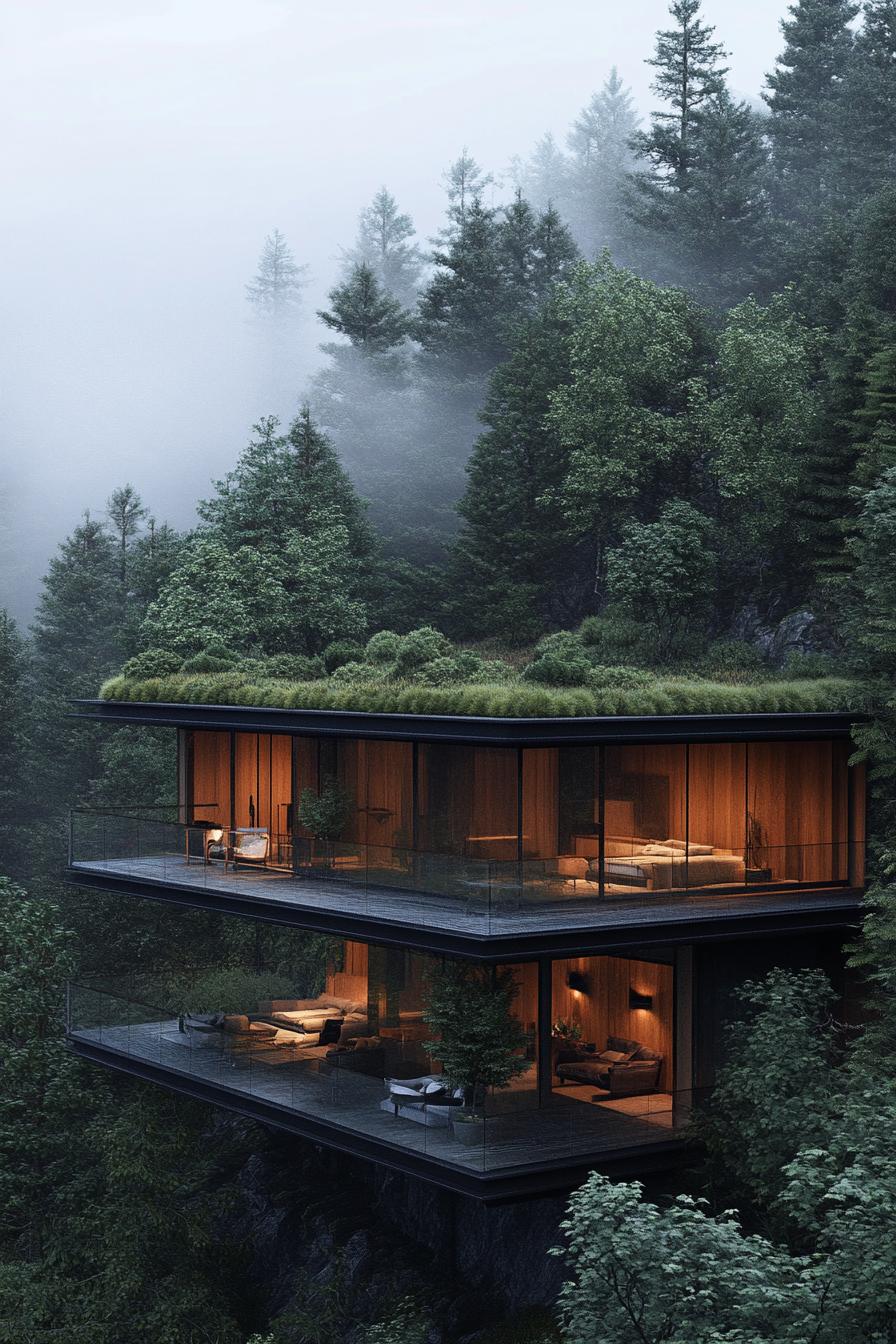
<point>568,1032</point>
<point>325,814</point>
<point>476,1037</point>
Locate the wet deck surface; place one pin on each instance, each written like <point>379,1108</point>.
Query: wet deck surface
<point>478,909</point>
<point>519,1134</point>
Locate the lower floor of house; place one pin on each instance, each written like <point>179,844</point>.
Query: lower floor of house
<point>478,1069</point>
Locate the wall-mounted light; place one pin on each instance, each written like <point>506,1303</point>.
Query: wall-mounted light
<point>636,1000</point>
<point>577,982</point>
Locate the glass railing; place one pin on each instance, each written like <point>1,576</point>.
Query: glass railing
<point>377,1101</point>
<point>451,891</point>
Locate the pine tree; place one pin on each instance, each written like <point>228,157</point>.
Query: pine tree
<point>385,245</point>
<point>867,106</point>
<point>282,484</point>
<point>718,229</point>
<point>365,312</point>
<point>14,763</point>
<point>125,511</point>
<point>513,562</point>
<point>804,99</point>
<point>276,289</point>
<point>544,177</point>
<point>875,420</point>
<point>516,249</point>
<point>462,309</point>
<point>464,183</point>
<point>689,71</point>
<point>600,143</point>
<point>77,643</point>
<point>554,254</point>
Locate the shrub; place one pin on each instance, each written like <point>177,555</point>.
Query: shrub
<point>222,651</point>
<point>557,668</point>
<point>420,647</point>
<point>667,695</point>
<point>602,677</point>
<point>440,672</point>
<point>207,662</point>
<point>151,663</point>
<point>614,639</point>
<point>733,659</point>
<point>808,666</point>
<point>354,674</point>
<point>295,666</point>
<point>340,652</point>
<point>382,647</point>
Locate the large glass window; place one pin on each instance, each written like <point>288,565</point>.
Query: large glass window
<point>378,779</point>
<point>210,777</point>
<point>796,810</point>
<point>645,817</point>
<point>612,1028</point>
<point>663,817</point>
<point>467,801</point>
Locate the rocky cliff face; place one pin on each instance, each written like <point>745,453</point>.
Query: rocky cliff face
<point>331,1242</point>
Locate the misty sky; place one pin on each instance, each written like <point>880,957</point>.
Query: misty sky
<point>150,149</point>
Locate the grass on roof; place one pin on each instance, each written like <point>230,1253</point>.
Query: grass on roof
<point>665,695</point>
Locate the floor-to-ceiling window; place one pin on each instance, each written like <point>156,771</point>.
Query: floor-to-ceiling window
<point>612,1028</point>
<point>651,818</point>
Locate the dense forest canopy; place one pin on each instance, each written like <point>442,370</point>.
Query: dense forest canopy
<point>633,419</point>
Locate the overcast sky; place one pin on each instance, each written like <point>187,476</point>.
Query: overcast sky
<point>151,147</point>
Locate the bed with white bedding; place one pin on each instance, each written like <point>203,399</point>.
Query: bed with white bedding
<point>668,865</point>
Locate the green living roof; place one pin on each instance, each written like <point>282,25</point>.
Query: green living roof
<point>664,695</point>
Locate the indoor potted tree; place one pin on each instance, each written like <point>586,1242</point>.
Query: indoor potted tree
<point>476,1037</point>
<point>325,814</point>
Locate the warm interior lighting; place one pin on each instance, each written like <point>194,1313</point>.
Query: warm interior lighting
<point>636,1000</point>
<point>577,982</point>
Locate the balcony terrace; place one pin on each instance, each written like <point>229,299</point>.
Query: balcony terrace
<point>443,896</point>
<point>344,1109</point>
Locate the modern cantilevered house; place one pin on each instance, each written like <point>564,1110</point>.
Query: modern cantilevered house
<point>632,871</point>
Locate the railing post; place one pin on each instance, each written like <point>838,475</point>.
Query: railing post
<point>71,824</point>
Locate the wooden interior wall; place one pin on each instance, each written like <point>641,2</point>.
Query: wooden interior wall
<point>604,1009</point>
<point>379,779</point>
<point>791,796</point>
<point>444,797</point>
<point>654,779</point>
<point>351,981</point>
<point>717,783</point>
<point>281,782</point>
<point>246,780</point>
<point>494,823</point>
<point>211,777</point>
<point>306,772</point>
<point>389,797</point>
<point>541,796</point>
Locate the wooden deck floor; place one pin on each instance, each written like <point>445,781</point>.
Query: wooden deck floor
<point>523,1134</point>
<point>481,912</point>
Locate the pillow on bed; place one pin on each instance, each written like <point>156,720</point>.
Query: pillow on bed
<point>612,1056</point>
<point>663,852</point>
<point>691,847</point>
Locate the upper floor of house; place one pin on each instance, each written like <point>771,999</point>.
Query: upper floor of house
<point>493,836</point>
